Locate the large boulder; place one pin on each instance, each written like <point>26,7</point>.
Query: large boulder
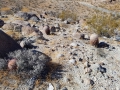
<point>20,22</point>
<point>7,44</point>
<point>8,26</point>
<point>1,23</point>
<point>23,15</point>
<point>27,30</point>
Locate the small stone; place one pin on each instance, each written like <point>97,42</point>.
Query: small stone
<point>22,44</point>
<point>86,64</point>
<point>50,87</point>
<point>82,36</point>
<point>88,81</point>
<point>88,70</point>
<point>60,55</point>
<point>86,37</point>
<point>72,61</point>
<point>73,44</point>
<point>101,69</point>
<point>64,88</point>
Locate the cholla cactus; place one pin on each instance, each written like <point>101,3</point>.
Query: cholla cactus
<point>94,40</point>
<point>29,61</point>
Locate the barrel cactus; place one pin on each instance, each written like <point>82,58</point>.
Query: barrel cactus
<point>94,40</point>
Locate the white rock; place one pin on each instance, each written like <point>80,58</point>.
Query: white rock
<point>22,44</point>
<point>60,55</point>
<point>50,87</point>
<point>73,44</point>
<point>72,61</point>
<point>86,64</point>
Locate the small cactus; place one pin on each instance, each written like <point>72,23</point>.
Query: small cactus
<point>12,64</point>
<point>94,40</point>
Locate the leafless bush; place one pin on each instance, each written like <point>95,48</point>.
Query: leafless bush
<point>29,61</point>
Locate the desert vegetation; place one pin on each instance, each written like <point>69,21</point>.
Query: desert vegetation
<point>59,45</point>
<point>104,24</point>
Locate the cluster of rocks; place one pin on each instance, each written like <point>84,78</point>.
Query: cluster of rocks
<point>87,67</point>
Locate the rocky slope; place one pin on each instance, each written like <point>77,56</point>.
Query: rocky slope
<point>75,63</point>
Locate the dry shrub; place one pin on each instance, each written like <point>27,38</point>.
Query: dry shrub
<point>5,9</point>
<point>67,14</point>
<point>103,24</point>
<point>25,9</point>
<point>14,35</point>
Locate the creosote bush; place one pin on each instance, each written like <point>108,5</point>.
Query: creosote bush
<point>67,15</point>
<point>103,25</point>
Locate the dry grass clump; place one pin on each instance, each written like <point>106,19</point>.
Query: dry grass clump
<point>103,24</point>
<point>67,15</point>
<point>14,35</point>
<point>25,9</point>
<point>7,77</point>
<point>111,6</point>
<point>5,9</point>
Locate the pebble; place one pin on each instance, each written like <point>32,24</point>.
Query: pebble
<point>101,69</point>
<point>86,64</point>
<point>88,70</point>
<point>72,61</point>
<point>64,88</point>
<point>73,44</point>
<point>88,81</point>
<point>50,87</point>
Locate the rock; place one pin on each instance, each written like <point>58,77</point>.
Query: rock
<point>87,37</point>
<point>34,18</point>
<point>94,68</point>
<point>20,22</point>
<point>27,30</point>
<point>101,69</point>
<point>88,81</point>
<point>78,35</point>
<point>117,38</point>
<point>12,64</point>
<point>66,22</point>
<point>88,70</point>
<point>64,88</point>
<point>23,15</point>
<point>8,26</point>
<point>1,23</point>
<point>7,44</point>
<point>17,28</point>
<point>73,44</point>
<point>22,44</point>
<point>59,56</point>
<point>94,40</point>
<point>50,87</point>
<point>86,64</point>
<point>72,61</point>
<point>57,26</point>
<point>52,29</point>
<point>82,36</point>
